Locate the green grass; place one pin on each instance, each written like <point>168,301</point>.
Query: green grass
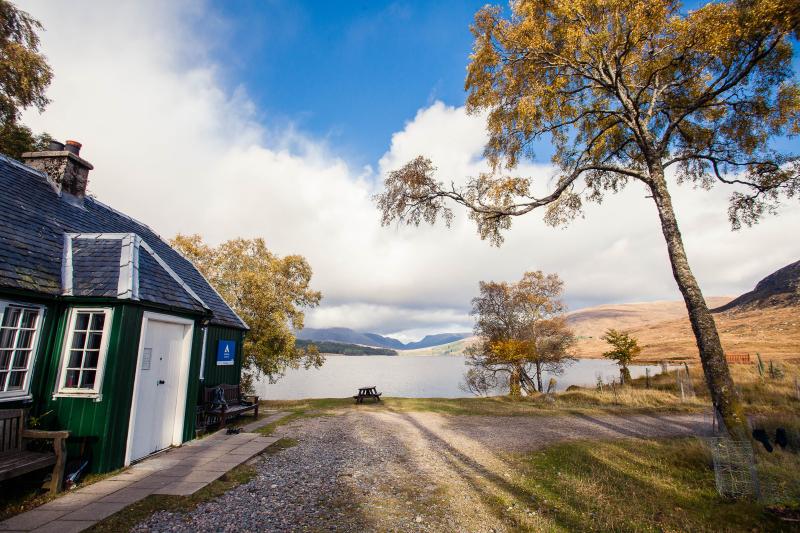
<point>628,400</point>
<point>281,444</point>
<point>637,485</point>
<point>299,409</point>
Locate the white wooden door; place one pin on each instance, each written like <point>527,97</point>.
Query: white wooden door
<point>157,388</point>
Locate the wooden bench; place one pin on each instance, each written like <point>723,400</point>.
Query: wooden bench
<point>367,392</point>
<point>235,404</point>
<point>16,460</point>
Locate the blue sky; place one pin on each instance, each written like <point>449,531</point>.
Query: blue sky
<point>350,72</point>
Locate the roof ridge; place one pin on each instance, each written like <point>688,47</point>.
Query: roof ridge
<point>123,215</point>
<point>163,264</point>
<point>30,170</point>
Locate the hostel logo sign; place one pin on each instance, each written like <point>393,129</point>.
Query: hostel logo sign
<point>226,352</point>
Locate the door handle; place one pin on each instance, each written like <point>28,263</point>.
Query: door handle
<point>160,381</point>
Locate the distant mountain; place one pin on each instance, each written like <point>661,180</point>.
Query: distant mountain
<point>349,336</point>
<point>451,348</point>
<point>436,340</point>
<point>387,342</point>
<point>342,348</point>
<point>346,335</point>
<point>779,289</point>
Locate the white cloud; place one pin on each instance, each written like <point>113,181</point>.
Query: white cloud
<point>176,149</point>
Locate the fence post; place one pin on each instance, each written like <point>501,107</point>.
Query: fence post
<point>647,377</point>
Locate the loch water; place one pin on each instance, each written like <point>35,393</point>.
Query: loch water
<point>412,377</point>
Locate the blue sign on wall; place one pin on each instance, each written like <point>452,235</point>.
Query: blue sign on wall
<point>226,353</point>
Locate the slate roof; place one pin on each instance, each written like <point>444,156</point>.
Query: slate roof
<point>95,265</point>
<point>155,281</point>
<point>33,222</point>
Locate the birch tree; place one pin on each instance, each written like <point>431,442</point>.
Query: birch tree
<point>522,333</point>
<point>627,91</point>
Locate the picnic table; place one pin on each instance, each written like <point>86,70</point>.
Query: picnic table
<point>367,392</point>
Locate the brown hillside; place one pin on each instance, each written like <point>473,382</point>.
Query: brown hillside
<point>589,324</point>
<point>765,320</point>
<point>593,321</point>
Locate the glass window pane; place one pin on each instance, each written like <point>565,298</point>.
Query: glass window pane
<point>82,321</point>
<point>21,359</point>
<point>72,379</point>
<point>3,376</point>
<point>78,340</point>
<point>94,341</point>
<point>90,360</point>
<point>11,317</point>
<point>29,318</point>
<point>87,379</point>
<point>25,338</point>
<point>7,338</point>
<point>5,359</point>
<point>98,320</point>
<point>75,357</point>
<point>15,380</point>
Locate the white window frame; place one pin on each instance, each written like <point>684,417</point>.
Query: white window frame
<point>95,392</point>
<point>24,393</point>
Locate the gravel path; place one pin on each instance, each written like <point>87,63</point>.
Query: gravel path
<point>386,471</point>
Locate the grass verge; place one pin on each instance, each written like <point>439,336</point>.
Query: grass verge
<point>281,444</point>
<point>299,409</point>
<point>628,400</point>
<point>639,485</point>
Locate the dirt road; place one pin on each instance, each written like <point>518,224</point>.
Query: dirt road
<point>418,471</point>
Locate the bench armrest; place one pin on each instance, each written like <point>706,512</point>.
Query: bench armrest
<point>41,434</point>
<point>251,398</point>
<point>60,449</point>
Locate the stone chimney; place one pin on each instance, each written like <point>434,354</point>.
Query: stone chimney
<point>63,166</point>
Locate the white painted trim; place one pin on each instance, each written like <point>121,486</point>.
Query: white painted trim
<point>203,355</point>
<point>183,380</point>
<point>66,266</point>
<point>172,273</point>
<point>96,392</point>
<point>24,393</point>
<point>137,241</point>
<point>125,280</point>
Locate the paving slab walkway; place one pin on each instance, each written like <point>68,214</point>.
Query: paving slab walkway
<point>179,471</point>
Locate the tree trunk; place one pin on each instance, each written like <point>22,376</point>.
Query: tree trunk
<point>625,375</point>
<point>718,377</point>
<point>539,376</point>
<point>515,382</point>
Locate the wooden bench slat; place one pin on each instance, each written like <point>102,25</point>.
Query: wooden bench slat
<point>18,463</point>
<point>235,403</point>
<point>16,460</point>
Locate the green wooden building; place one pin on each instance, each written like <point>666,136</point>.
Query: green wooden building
<point>105,329</point>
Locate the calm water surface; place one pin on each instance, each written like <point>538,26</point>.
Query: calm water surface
<point>411,377</point>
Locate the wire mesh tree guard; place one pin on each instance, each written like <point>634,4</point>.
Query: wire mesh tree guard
<point>735,471</point>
